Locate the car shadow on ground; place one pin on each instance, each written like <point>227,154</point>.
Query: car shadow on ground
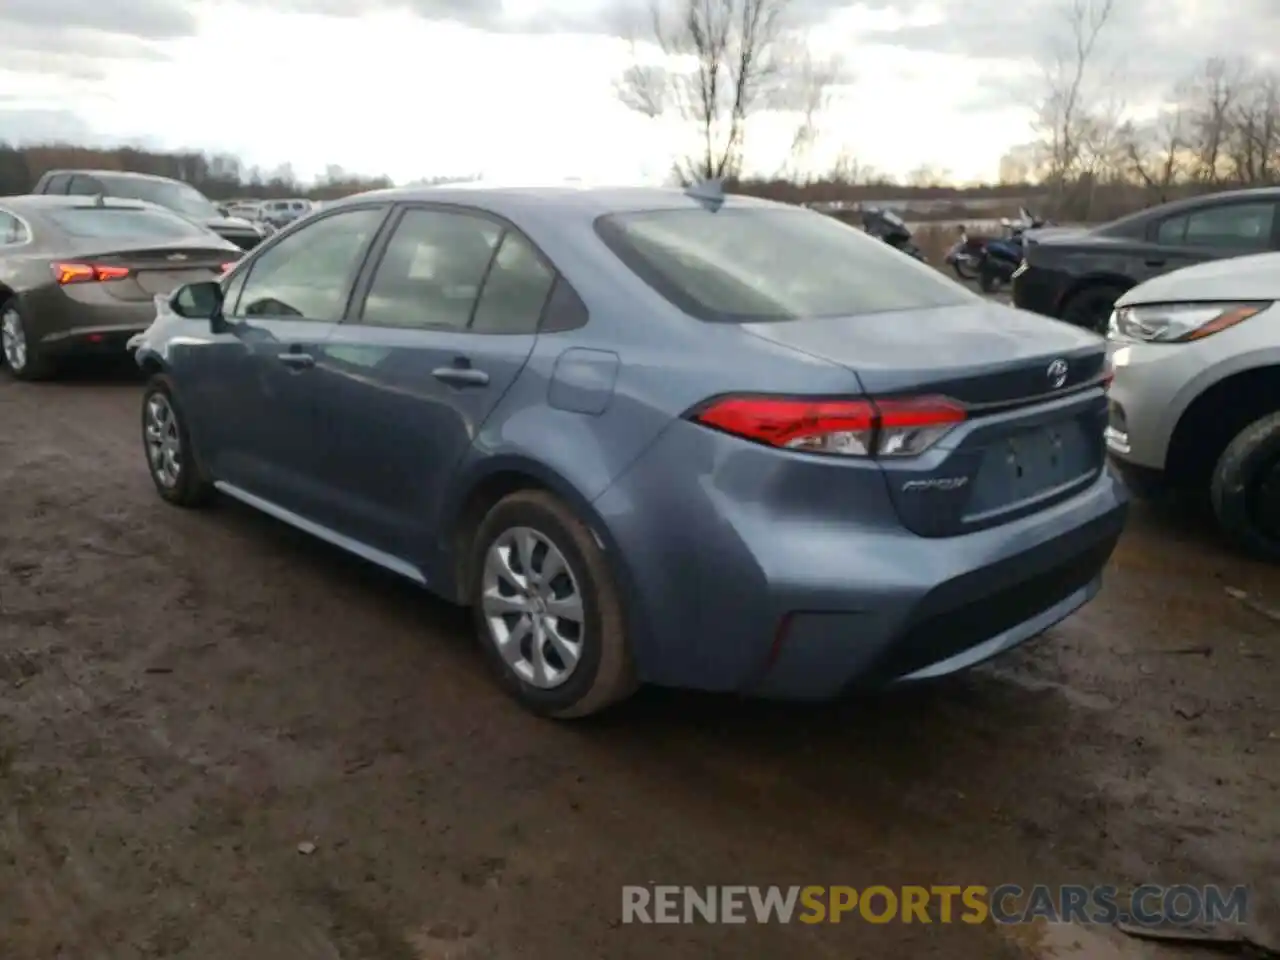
<point>960,723</point>
<point>80,373</point>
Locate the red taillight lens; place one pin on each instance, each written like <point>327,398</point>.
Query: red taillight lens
<point>226,267</point>
<point>66,273</point>
<point>857,428</point>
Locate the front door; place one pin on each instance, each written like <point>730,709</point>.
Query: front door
<point>446,321</point>
<point>260,401</point>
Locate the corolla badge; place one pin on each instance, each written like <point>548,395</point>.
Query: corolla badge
<point>176,256</point>
<point>1057,373</point>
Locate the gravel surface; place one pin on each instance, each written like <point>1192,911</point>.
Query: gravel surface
<point>220,739</point>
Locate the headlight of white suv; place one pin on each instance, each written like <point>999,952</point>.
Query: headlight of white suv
<point>1178,322</point>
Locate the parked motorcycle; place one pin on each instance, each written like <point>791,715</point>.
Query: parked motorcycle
<point>892,229</point>
<point>965,255</point>
<point>1001,256</point>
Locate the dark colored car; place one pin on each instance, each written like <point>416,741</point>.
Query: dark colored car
<point>79,275</point>
<point>1077,275</point>
<point>182,198</point>
<point>649,435</point>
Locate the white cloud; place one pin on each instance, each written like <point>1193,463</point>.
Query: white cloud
<point>392,91</point>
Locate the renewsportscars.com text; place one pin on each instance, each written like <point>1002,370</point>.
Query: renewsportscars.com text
<point>1148,904</point>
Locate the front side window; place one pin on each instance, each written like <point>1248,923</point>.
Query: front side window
<point>308,274</point>
<point>757,264</point>
<point>430,275</point>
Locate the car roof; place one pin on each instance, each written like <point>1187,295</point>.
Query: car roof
<point>1174,207</point>
<point>130,174</point>
<point>587,201</point>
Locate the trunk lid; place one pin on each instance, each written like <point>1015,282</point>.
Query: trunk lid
<point>1032,386</point>
<point>161,270</point>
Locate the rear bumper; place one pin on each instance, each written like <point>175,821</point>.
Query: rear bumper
<point>91,323</point>
<point>805,602</point>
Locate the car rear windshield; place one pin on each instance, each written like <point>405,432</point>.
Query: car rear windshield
<point>766,264</point>
<point>112,223</point>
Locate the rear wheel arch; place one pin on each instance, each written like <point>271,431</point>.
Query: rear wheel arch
<point>150,363</point>
<point>1214,417</point>
<point>482,491</point>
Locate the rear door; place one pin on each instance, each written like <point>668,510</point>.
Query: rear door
<point>446,318</point>
<point>255,393</point>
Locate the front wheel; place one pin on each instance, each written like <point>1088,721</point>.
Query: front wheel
<point>1245,489</point>
<point>547,610</point>
<point>167,444</point>
<point>1091,308</point>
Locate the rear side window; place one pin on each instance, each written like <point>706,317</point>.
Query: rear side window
<point>12,231</point>
<point>85,187</point>
<point>1246,226</point>
<point>769,264</point>
<point>57,183</point>
<point>111,223</point>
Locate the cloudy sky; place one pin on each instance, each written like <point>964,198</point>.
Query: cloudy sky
<point>524,88</point>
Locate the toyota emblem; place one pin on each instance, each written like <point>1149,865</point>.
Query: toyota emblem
<point>1057,373</point>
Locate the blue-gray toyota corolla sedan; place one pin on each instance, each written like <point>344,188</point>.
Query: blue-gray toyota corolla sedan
<point>649,435</point>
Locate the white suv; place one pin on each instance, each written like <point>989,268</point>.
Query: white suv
<point>280,212</point>
<point>1195,403</point>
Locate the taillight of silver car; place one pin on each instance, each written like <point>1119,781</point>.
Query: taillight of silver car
<point>852,428</point>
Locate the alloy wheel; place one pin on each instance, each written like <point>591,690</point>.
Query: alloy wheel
<point>164,442</point>
<point>13,339</point>
<point>533,607</point>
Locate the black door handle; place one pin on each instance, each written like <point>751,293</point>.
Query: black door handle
<point>461,376</point>
<point>298,361</point>
<point>1155,263</point>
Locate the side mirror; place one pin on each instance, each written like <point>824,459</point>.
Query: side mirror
<point>198,301</point>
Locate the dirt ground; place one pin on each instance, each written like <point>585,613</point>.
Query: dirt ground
<point>220,739</point>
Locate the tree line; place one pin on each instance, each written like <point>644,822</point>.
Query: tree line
<point>217,176</point>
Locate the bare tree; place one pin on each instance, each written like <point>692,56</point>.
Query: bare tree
<point>723,61</point>
<point>1155,152</point>
<point>1210,99</point>
<point>1255,128</point>
<point>1070,124</point>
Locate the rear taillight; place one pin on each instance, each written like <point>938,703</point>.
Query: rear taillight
<point>66,273</point>
<point>856,428</point>
<point>226,267</point>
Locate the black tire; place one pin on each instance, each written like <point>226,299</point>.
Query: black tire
<point>964,272</point>
<point>192,487</point>
<point>988,282</point>
<point>605,672</point>
<point>1245,490</point>
<point>1091,307</point>
<point>38,365</point>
